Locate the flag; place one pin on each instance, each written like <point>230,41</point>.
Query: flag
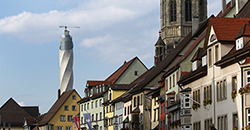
<point>77,121</point>
<point>88,120</point>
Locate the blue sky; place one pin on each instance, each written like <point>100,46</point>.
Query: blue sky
<point>111,31</point>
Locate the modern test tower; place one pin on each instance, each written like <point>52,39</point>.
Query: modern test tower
<point>66,61</point>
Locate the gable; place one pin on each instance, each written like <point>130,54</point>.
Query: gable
<point>12,113</point>
<point>212,38</point>
<point>135,69</point>
<point>61,111</point>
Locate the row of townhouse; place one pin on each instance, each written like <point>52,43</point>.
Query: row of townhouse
<point>198,85</point>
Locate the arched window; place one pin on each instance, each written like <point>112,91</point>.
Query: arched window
<point>173,10</point>
<point>188,10</point>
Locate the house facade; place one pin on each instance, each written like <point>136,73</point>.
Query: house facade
<point>61,114</point>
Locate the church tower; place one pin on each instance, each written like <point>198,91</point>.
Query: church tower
<point>159,50</point>
<point>176,19</point>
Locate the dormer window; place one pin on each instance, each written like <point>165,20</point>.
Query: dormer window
<point>194,65</point>
<point>204,60</point>
<point>91,91</point>
<point>96,89</point>
<point>239,43</point>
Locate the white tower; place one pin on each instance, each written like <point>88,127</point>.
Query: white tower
<point>66,62</point>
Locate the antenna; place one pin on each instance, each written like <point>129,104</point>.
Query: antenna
<point>68,27</point>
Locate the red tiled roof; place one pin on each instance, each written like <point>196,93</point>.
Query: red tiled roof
<point>184,74</point>
<point>227,28</point>
<point>244,31</point>
<point>95,83</point>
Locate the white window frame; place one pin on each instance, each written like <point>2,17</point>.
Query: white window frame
<point>204,60</point>
<point>59,128</point>
<point>248,116</point>
<point>187,96</point>
<point>194,65</point>
<point>239,43</point>
<point>247,76</point>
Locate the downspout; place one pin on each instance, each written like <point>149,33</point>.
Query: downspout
<point>242,99</point>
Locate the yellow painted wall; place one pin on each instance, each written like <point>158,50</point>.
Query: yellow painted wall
<point>69,102</point>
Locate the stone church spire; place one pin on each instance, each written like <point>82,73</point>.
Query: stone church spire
<point>176,19</point>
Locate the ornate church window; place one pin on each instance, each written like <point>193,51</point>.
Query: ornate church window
<point>173,10</point>
<point>188,10</point>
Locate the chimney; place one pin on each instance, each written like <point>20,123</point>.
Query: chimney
<point>223,5</point>
<point>195,24</point>
<point>59,93</point>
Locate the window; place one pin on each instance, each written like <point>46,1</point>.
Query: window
<point>248,77</point>
<point>221,90</point>
<point>66,108</point>
<point>235,120</point>
<point>173,80</point>
<point>138,100</point>
<point>68,128</point>
<point>134,101</point>
<point>216,53</point>
<point>222,123</point>
<point>81,120</point>
<point>161,109</point>
<point>170,82</point>
<point>96,116</point>
<point>74,97</point>
<point>100,127</point>
<point>97,89</point>
<point>163,123</point>
<point>204,60</point>
<point>173,10</point>
<point>248,116</point>
<point>125,110</point>
<point>107,109</point>
<point>91,91</point>
<point>100,102</point>
<point>197,126</point>
<point>96,103</point>
<point>196,95</point>
<point>194,65</point>
<point>110,96</point>
<point>81,107</point>
<point>207,123</point>
<point>92,117</point>
<point>92,104</point>
<point>141,98</point>
<point>73,108</point>
<point>62,117</point>
<point>110,108</point>
<point>136,73</point>
<point>188,10</point>
<point>186,101</point>
<point>208,92</point>
<point>59,128</point>
<point>70,118</point>
<point>234,83</point>
<point>210,57</point>
<point>239,43</point>
<point>100,115</point>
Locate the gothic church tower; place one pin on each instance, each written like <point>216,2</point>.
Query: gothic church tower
<point>176,19</point>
